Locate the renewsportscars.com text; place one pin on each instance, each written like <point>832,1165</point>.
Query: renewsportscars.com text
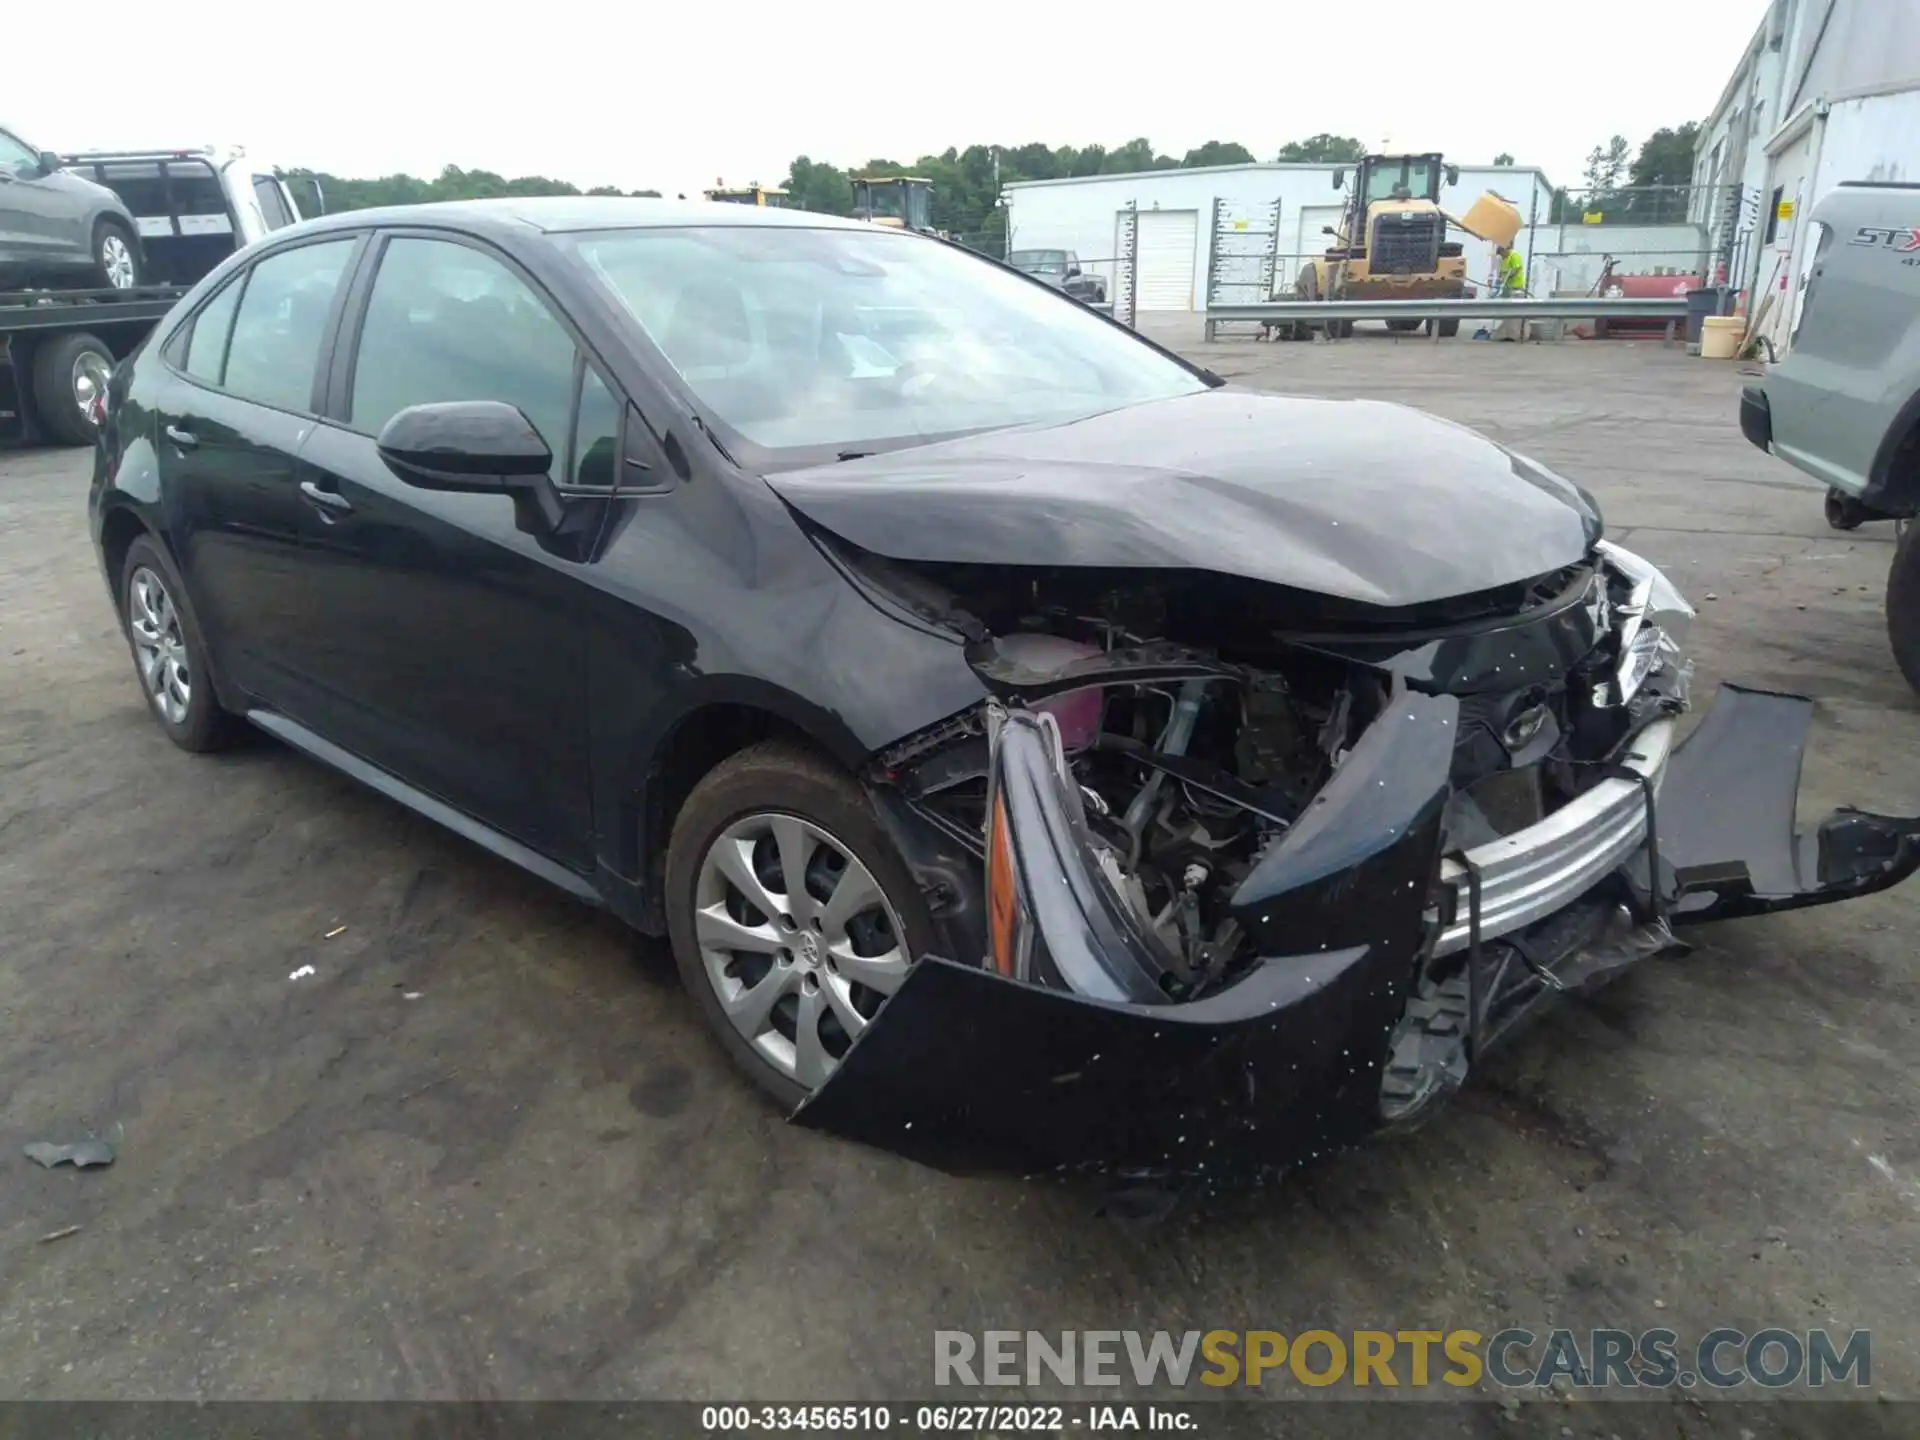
<point>1515,1358</point>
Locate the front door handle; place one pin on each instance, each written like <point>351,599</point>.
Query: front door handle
<point>185,439</point>
<point>331,500</point>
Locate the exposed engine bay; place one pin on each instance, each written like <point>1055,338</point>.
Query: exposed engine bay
<point>1199,716</point>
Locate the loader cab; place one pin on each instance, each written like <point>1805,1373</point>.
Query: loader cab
<point>1398,178</point>
<point>1401,193</point>
<point>902,202</point>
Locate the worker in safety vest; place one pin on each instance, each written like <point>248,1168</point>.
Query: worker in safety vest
<point>1512,272</point>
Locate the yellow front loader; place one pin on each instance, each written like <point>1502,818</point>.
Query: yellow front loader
<point>1391,243</point>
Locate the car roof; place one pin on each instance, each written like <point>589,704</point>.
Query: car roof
<point>558,214</point>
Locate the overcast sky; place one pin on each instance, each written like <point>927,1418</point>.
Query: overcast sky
<point>674,96</point>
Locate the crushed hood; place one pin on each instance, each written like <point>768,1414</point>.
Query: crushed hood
<point>1358,499</point>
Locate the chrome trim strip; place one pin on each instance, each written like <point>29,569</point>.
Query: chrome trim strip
<point>1531,873</point>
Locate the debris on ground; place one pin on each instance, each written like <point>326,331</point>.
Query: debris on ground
<point>82,1154</point>
<point>62,1233</point>
<point>337,930</point>
<point>302,973</point>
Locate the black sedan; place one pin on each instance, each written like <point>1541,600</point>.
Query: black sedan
<point>1034,748</point>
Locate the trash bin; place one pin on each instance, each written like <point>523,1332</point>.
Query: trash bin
<point>1707,300</point>
<point>1720,336</point>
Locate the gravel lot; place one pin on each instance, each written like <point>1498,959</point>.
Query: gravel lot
<point>538,1179</point>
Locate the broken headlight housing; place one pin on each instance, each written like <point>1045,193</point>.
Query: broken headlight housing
<point>1650,626</point>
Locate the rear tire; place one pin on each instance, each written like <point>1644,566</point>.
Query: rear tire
<point>1449,329</point>
<point>1903,608</point>
<point>68,372</point>
<point>169,654</point>
<point>783,790</point>
<point>116,256</point>
<point>1403,327</point>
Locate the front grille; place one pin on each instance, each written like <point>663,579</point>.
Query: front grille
<point>1406,242</point>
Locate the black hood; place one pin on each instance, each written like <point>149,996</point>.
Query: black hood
<point>1356,499</point>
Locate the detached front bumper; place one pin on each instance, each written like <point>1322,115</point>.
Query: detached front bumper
<point>1341,1028</point>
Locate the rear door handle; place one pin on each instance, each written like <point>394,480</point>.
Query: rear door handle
<point>326,499</point>
<point>185,439</point>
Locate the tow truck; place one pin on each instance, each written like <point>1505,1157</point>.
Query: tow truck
<point>193,207</point>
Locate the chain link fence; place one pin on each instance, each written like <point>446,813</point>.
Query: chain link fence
<point>1591,240</point>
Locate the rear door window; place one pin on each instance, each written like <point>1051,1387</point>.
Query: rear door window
<point>282,319</point>
<point>206,356</point>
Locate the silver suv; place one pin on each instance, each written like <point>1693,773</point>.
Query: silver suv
<point>1844,406</point>
<point>57,228</point>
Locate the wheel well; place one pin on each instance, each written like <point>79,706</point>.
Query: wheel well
<point>117,533</point>
<point>1900,472</point>
<point>700,740</point>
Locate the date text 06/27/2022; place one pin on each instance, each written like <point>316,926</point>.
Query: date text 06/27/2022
<point>943,1419</point>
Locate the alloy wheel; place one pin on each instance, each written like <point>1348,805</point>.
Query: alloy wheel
<point>91,372</point>
<point>116,262</point>
<point>160,647</point>
<point>798,940</point>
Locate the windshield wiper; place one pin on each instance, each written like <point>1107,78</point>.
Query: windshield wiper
<point>853,454</point>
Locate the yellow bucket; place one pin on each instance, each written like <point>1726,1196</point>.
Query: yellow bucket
<point>1720,336</point>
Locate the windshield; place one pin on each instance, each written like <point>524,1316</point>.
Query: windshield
<point>1390,175</point>
<point>1039,262</point>
<point>882,198</point>
<point>799,340</point>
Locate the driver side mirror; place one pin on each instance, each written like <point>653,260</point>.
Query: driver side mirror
<point>475,447</point>
<point>1328,230</point>
<point>49,162</point>
<point>1340,179</point>
<point>1453,174</point>
<point>1072,270</point>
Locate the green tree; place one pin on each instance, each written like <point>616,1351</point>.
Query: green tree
<point>1606,165</point>
<point>1666,157</point>
<point>1662,174</point>
<point>821,188</point>
<point>1218,152</point>
<point>1133,157</point>
<point>1323,148</point>
<point>452,183</point>
<point>1503,158</point>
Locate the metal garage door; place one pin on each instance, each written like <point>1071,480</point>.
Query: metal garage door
<point>1166,258</point>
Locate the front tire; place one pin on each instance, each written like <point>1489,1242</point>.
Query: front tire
<point>116,256</point>
<point>787,973</point>
<point>169,655</point>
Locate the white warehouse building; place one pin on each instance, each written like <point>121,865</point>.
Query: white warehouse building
<point>1826,91</point>
<point>1175,241</point>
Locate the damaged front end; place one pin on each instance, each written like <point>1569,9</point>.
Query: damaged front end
<point>1246,902</point>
